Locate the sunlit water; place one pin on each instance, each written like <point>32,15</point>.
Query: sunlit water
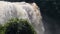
<point>23,10</point>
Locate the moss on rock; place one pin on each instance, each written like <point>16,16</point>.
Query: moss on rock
<point>17,26</point>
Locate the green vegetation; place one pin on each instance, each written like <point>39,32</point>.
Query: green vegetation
<point>17,26</point>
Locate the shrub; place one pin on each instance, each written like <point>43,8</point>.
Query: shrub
<point>17,26</point>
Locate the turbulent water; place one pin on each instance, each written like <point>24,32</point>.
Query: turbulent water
<point>23,10</point>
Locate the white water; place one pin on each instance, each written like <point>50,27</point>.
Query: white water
<point>23,10</point>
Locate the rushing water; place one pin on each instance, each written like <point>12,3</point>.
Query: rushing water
<point>23,10</point>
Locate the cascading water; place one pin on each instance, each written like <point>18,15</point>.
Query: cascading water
<point>22,10</point>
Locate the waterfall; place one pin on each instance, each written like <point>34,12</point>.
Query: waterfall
<point>23,10</point>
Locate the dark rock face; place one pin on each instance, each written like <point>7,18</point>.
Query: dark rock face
<point>29,1</point>
<point>50,11</point>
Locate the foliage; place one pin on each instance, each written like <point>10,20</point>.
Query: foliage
<point>17,26</point>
